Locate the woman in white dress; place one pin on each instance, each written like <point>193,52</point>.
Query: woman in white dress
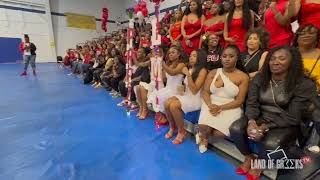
<point>173,71</point>
<point>189,98</point>
<point>224,93</point>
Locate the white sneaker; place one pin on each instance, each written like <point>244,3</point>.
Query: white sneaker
<point>197,138</point>
<point>315,149</point>
<point>202,148</point>
<point>94,84</point>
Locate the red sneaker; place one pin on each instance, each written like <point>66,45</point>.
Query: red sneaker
<point>24,73</point>
<point>34,73</point>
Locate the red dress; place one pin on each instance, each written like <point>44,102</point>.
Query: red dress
<point>176,30</point>
<point>214,28</point>
<point>236,30</point>
<point>190,29</point>
<point>279,35</point>
<point>310,14</point>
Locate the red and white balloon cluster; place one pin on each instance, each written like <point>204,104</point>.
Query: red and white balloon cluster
<point>157,2</point>
<point>140,10</point>
<point>104,20</point>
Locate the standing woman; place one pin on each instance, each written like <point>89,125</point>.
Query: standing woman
<point>191,27</point>
<point>215,24</point>
<point>28,50</point>
<point>308,11</point>
<point>278,24</point>
<point>175,29</point>
<point>239,20</point>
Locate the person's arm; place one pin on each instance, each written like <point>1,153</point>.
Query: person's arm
<point>252,19</point>
<point>183,32</point>
<point>170,29</point>
<point>253,104</point>
<point>226,31</point>
<point>293,8</point>
<point>173,71</point>
<point>195,86</point>
<point>281,19</point>
<point>239,100</point>
<point>206,88</point>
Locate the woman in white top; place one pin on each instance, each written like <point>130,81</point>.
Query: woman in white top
<point>224,93</point>
<point>189,98</point>
<point>173,71</point>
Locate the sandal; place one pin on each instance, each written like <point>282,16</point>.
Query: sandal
<point>169,134</point>
<point>180,138</point>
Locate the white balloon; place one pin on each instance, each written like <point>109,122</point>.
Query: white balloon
<point>140,15</point>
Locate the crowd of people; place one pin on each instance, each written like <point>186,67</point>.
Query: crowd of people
<point>237,62</point>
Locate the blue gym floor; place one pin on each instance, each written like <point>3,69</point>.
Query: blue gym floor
<point>55,128</point>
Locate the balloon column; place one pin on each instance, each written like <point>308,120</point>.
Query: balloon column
<point>129,61</point>
<point>156,67</point>
<point>104,20</point>
<point>141,11</point>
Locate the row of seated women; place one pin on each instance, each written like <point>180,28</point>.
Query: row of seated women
<point>232,27</point>
<point>282,81</point>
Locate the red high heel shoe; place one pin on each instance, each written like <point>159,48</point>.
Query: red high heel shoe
<point>241,171</point>
<point>252,177</point>
<point>177,141</point>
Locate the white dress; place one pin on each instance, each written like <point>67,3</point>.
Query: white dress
<point>189,102</point>
<point>165,93</point>
<point>220,96</point>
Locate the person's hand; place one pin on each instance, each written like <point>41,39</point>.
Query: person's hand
<point>189,43</point>
<point>214,109</point>
<point>234,39</point>
<point>255,132</point>
<point>185,71</point>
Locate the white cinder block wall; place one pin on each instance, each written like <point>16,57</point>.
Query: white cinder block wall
<point>66,37</point>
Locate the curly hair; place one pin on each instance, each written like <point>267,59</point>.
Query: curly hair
<point>263,36</point>
<point>295,70</point>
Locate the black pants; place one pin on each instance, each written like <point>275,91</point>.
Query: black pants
<point>113,83</point>
<point>96,74</point>
<point>124,91</point>
<point>283,137</point>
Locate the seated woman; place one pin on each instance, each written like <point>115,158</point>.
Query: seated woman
<point>277,97</point>
<point>306,39</point>
<point>135,80</point>
<point>145,88</point>
<point>116,75</point>
<point>224,92</point>
<point>214,50</point>
<point>256,44</point>
<point>173,71</point>
<point>188,99</point>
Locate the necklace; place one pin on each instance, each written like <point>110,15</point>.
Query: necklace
<point>275,82</point>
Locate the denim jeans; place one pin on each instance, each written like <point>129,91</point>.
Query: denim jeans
<point>29,59</point>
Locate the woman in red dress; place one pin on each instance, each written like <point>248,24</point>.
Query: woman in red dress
<point>215,24</point>
<point>278,24</point>
<point>308,11</point>
<point>175,29</point>
<point>191,27</point>
<point>239,19</point>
